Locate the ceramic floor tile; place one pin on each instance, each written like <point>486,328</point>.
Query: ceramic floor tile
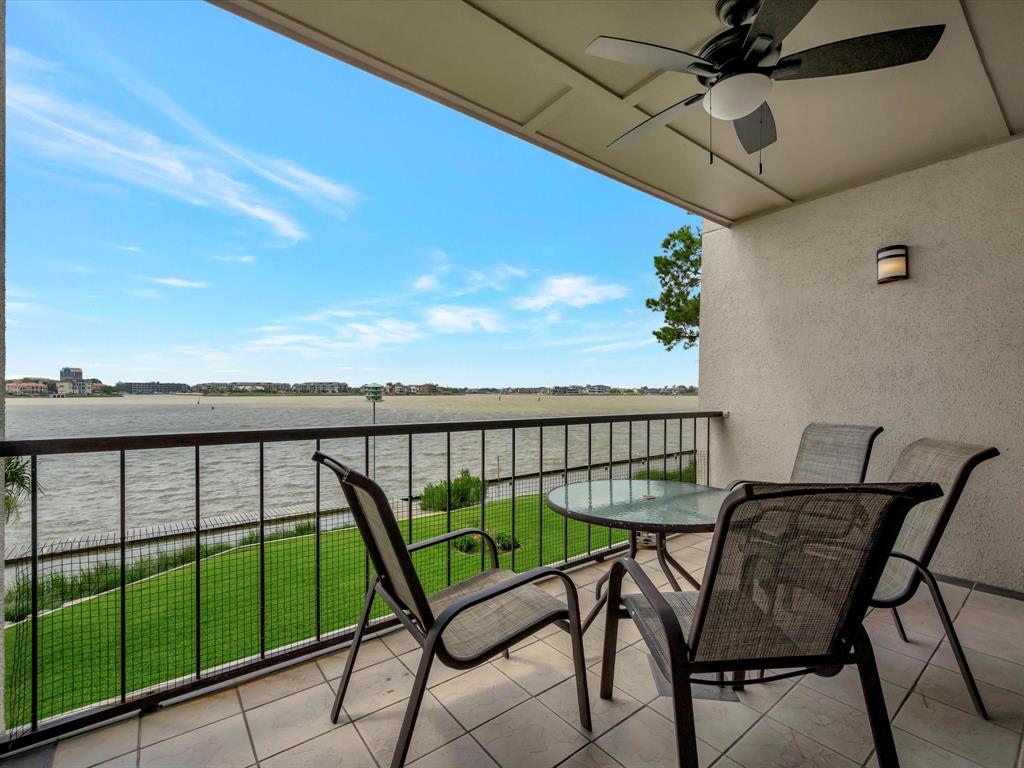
<point>371,652</point>
<point>130,760</point>
<point>179,718</point>
<point>989,669</point>
<point>434,728</point>
<point>529,736</point>
<point>917,753</point>
<point>1005,708</point>
<point>763,696</point>
<point>883,635</point>
<point>770,744</point>
<point>340,748</point>
<point>223,744</point>
<point>98,745</point>
<point>993,624</point>
<point>633,673</point>
<point>479,695</point>
<point>282,724</point>
<point>39,757</point>
<point>376,687</point>
<point>279,684</point>
<point>591,756</point>
<point>461,753</point>
<point>962,733</point>
<point>536,667</point>
<point>719,723</point>
<point>648,740</point>
<point>604,713</point>
<point>439,673</point>
<point>838,726</point>
<point>919,614</point>
<point>593,644</point>
<point>400,641</point>
<point>846,688</point>
<point>898,668</point>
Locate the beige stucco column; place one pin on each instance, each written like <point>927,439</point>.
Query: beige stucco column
<point>3,305</point>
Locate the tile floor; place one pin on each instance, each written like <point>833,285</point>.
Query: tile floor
<point>521,712</point>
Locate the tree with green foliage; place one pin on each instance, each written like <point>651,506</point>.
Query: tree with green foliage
<point>678,270</point>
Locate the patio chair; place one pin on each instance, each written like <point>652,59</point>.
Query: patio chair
<point>950,465</point>
<point>831,453</point>
<point>462,625</point>
<point>827,544</point>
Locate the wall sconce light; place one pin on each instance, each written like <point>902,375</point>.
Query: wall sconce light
<point>893,263</point>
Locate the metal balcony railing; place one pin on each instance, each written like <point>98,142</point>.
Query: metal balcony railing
<point>105,623</point>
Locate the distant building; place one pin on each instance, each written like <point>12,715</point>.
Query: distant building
<point>23,388</point>
<point>323,387</point>
<point>74,374</point>
<point>429,389</point>
<point>153,387</point>
<point>67,387</point>
<point>597,389</point>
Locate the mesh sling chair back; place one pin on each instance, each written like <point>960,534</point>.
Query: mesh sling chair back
<point>789,576</point>
<point>950,465</point>
<point>462,625</point>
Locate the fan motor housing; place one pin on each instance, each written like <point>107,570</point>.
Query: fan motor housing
<point>725,50</point>
<point>732,13</point>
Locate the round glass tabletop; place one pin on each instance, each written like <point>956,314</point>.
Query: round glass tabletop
<point>640,505</point>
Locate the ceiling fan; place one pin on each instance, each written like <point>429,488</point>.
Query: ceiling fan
<point>740,65</point>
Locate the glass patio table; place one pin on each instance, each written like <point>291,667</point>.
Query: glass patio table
<point>662,507</point>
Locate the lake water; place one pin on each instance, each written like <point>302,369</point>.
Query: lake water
<point>80,492</point>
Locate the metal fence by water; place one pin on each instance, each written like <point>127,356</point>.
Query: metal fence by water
<point>111,622</point>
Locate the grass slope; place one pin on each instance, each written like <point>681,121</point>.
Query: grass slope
<point>80,644</point>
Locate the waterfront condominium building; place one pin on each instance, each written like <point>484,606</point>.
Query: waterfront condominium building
<point>153,387</point>
<point>73,374</point>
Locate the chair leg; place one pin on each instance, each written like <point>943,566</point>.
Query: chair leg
<point>579,659</point>
<point>353,650</point>
<point>682,710</point>
<point>954,642</point>
<point>412,710</point>
<point>878,716</point>
<point>611,630</point>
<point>899,625</point>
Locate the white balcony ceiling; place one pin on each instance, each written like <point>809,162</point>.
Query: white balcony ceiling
<point>520,66</point>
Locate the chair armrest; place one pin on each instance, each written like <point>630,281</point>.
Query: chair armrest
<point>736,483</point>
<point>455,535</point>
<point>515,582</point>
<point>669,622</point>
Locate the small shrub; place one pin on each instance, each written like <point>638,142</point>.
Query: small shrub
<point>506,542</point>
<point>688,475</point>
<point>467,545</point>
<point>467,490</point>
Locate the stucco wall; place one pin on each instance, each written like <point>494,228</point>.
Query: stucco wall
<point>795,329</point>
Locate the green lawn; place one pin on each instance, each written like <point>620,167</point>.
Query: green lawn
<point>79,644</point>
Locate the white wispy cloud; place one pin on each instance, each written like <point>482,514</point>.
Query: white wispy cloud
<point>425,283</point>
<point>323,315</point>
<point>571,290</point>
<point>212,174</point>
<point>346,338</point>
<point>129,248</point>
<point>76,269</point>
<point>450,319</point>
<point>617,346</point>
<point>495,279</point>
<point>242,259</point>
<point>177,282</point>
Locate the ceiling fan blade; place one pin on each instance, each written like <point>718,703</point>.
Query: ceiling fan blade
<point>777,18</point>
<point>756,130</point>
<point>861,54</point>
<point>649,55</point>
<point>664,117</point>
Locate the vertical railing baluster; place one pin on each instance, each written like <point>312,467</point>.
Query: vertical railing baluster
<point>611,465</point>
<point>540,495</point>
<point>35,594</point>
<point>693,448</point>
<point>122,529</point>
<point>316,519</point>
<point>647,454</point>
<point>263,563</point>
<point>409,488</point>
<point>629,460</point>
<point>565,520</point>
<point>448,505</point>
<point>707,448</point>
<point>366,471</point>
<point>664,449</point>
<point>199,613</point>
<point>590,473</point>
<point>483,493</point>
<point>679,447</point>
<point>513,498</point>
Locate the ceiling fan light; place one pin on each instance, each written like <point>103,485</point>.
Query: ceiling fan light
<point>737,96</point>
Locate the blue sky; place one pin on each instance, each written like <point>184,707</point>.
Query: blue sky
<point>194,198</point>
